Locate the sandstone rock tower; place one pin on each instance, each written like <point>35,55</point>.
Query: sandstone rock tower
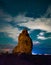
<point>24,43</point>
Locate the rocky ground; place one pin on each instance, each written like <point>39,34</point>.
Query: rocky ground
<point>14,59</point>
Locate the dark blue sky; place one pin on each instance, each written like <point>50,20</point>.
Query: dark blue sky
<point>33,8</point>
<point>34,15</point>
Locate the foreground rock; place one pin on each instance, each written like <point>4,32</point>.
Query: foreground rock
<point>24,43</point>
<point>23,59</point>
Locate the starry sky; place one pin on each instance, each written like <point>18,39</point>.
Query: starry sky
<point>33,15</point>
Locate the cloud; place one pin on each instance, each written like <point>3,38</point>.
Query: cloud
<point>22,21</point>
<point>7,47</point>
<point>41,33</point>
<point>11,31</point>
<point>43,22</point>
<point>34,53</point>
<point>22,18</point>
<point>36,42</point>
<point>29,22</point>
<point>47,13</point>
<point>41,36</point>
<point>19,18</point>
<point>38,23</point>
<point>5,16</point>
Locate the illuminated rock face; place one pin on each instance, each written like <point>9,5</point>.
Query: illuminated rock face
<point>24,43</point>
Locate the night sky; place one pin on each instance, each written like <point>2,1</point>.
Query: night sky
<point>33,15</point>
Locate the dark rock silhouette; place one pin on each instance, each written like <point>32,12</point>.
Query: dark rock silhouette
<point>24,43</point>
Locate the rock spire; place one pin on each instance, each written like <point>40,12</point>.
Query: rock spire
<point>24,43</point>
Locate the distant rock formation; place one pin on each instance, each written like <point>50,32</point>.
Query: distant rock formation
<point>24,43</point>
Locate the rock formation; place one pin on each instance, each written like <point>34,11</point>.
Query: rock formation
<point>24,43</point>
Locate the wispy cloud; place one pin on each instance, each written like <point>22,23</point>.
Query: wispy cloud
<point>5,16</point>
<point>38,24</point>
<point>48,12</point>
<point>22,20</point>
<point>42,23</point>
<point>41,36</point>
<point>12,32</point>
<point>36,42</point>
